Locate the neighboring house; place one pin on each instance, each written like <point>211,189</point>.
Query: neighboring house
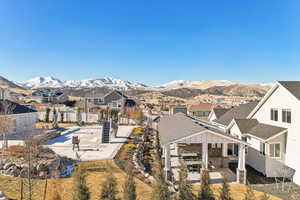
<point>201,110</point>
<point>24,117</point>
<point>114,99</point>
<point>176,109</point>
<point>216,113</point>
<point>48,96</point>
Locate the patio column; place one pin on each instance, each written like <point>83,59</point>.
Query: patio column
<point>167,166</point>
<point>225,150</point>
<point>241,170</point>
<point>204,155</point>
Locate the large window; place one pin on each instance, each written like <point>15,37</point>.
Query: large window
<point>274,114</point>
<point>262,148</point>
<point>286,116</point>
<point>275,150</point>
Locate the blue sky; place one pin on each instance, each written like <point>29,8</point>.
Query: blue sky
<point>151,41</point>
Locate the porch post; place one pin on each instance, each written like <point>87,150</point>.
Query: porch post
<point>225,150</point>
<point>204,155</point>
<point>241,170</point>
<point>167,161</point>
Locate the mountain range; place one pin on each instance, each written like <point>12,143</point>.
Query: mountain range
<point>179,88</point>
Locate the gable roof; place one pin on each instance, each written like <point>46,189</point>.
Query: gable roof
<point>239,112</point>
<point>176,126</point>
<point>220,111</point>
<point>246,125</point>
<point>265,131</point>
<point>16,108</point>
<point>292,86</point>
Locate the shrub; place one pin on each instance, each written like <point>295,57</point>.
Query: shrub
<point>129,147</point>
<point>138,131</point>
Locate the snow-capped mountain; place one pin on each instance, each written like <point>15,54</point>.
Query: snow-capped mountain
<point>195,84</point>
<point>40,82</point>
<point>50,82</point>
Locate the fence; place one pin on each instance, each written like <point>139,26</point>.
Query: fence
<point>70,117</point>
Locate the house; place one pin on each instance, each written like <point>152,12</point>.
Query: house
<point>271,129</point>
<point>24,118</point>
<point>48,96</point>
<point>114,99</point>
<point>201,110</point>
<point>176,109</point>
<point>200,147</point>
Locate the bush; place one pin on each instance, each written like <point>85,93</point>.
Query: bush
<point>138,131</point>
<point>129,147</point>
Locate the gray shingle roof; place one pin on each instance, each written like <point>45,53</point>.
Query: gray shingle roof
<point>220,111</point>
<point>293,87</point>
<point>265,131</point>
<point>246,125</point>
<point>238,112</point>
<point>177,126</point>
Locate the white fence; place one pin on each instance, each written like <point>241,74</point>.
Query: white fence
<point>70,117</point>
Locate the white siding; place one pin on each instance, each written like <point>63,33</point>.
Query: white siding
<point>283,99</point>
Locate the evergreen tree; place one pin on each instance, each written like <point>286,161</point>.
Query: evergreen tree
<point>264,197</point>
<point>62,117</point>
<point>81,191</point>
<point>129,185</point>
<point>205,191</point>
<point>185,189</point>
<point>109,188</point>
<point>47,115</point>
<point>160,190</point>
<point>225,191</point>
<point>249,195</point>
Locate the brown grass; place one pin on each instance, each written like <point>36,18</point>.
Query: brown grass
<point>237,192</point>
<point>96,174</point>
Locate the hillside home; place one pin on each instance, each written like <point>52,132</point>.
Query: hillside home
<point>48,96</point>
<point>201,110</point>
<point>4,94</point>
<point>24,117</point>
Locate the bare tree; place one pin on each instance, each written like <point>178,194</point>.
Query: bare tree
<point>7,122</point>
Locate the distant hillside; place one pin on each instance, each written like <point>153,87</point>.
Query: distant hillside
<point>183,92</point>
<point>4,83</point>
<point>239,90</point>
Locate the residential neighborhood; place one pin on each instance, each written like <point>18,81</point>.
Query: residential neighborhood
<point>149,100</point>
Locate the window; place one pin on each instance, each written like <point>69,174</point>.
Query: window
<point>274,114</point>
<point>286,115</point>
<point>275,150</point>
<point>262,148</point>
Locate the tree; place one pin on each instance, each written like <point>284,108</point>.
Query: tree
<point>78,115</point>
<point>62,116</point>
<point>7,122</point>
<point>264,197</point>
<point>109,188</point>
<point>249,195</point>
<point>47,115</point>
<point>225,191</point>
<point>129,187</point>
<point>185,189</point>
<point>205,191</point>
<point>81,191</point>
<point>160,190</point>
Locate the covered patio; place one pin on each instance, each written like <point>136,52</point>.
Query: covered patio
<point>200,148</point>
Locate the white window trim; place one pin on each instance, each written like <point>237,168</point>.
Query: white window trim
<point>286,110</point>
<point>280,146</point>
<point>274,109</point>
